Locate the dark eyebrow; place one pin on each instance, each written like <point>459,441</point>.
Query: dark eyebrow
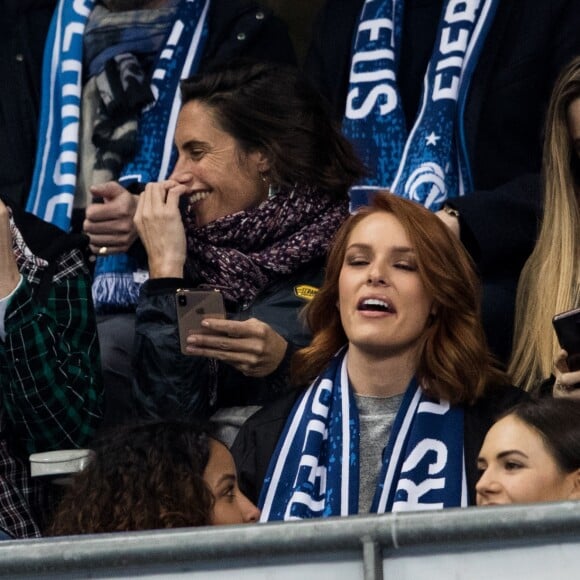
<point>504,454</point>
<point>192,144</point>
<point>229,477</point>
<point>509,452</point>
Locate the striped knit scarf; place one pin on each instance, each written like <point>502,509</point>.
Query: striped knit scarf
<point>243,253</point>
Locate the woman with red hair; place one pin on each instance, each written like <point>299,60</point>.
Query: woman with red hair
<point>402,387</point>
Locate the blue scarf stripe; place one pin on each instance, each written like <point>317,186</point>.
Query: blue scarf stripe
<point>184,47</point>
<point>54,179</point>
<point>464,493</point>
<point>115,287</point>
<point>395,446</point>
<point>284,443</point>
<point>193,54</point>
<point>314,471</point>
<point>474,49</point>
<point>425,484</point>
<point>429,163</point>
<point>429,167</point>
<point>347,485</point>
<point>412,134</point>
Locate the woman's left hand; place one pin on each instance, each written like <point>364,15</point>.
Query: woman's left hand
<point>567,383</point>
<point>250,346</point>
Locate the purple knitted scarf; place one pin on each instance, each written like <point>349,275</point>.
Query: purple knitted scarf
<point>243,253</point>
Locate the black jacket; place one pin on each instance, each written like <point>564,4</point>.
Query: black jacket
<point>237,28</point>
<point>171,385</point>
<point>256,441</point>
<point>23,28</point>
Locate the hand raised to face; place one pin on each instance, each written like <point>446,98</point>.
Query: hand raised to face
<point>160,226</point>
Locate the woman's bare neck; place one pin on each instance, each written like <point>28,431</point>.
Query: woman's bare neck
<point>380,375</point>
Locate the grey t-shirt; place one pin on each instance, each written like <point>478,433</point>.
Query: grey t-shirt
<point>376,418</point>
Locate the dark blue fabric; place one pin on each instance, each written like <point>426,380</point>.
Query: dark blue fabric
<point>426,163</point>
<point>314,471</point>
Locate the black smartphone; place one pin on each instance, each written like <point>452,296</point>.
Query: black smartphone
<point>192,307</point>
<point>567,327</point>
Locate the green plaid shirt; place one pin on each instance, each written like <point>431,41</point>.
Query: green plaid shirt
<point>50,376</point>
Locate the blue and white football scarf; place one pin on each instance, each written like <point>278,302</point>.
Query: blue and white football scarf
<point>314,471</point>
<point>55,175</point>
<point>54,181</point>
<point>429,163</point>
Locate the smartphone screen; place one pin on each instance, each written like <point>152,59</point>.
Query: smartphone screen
<point>192,307</point>
<point>567,327</point>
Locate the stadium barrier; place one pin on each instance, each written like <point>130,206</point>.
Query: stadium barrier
<point>524,542</point>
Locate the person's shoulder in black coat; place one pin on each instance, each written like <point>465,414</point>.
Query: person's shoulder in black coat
<point>256,442</point>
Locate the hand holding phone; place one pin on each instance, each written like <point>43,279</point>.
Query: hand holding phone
<point>192,307</point>
<point>567,327</point>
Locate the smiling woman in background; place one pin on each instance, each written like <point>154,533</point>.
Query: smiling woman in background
<point>257,193</point>
<point>532,454</point>
<point>403,385</point>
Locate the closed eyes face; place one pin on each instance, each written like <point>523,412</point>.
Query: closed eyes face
<point>383,304</point>
<point>231,506</point>
<point>517,467</point>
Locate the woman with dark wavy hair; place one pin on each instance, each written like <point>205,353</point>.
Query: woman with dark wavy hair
<point>150,476</point>
<point>257,193</point>
<point>403,388</point>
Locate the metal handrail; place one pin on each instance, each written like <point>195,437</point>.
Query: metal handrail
<point>371,536</point>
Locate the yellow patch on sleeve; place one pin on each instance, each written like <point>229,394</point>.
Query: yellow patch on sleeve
<point>305,291</point>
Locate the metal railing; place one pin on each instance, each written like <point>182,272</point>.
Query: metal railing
<point>541,537</point>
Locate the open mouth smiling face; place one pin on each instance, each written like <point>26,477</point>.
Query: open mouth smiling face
<point>376,305</point>
<point>383,303</point>
<point>222,179</point>
<point>198,196</point>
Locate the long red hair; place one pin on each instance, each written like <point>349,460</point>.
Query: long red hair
<point>455,363</point>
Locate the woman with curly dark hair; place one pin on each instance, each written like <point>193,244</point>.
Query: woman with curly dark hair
<point>154,475</point>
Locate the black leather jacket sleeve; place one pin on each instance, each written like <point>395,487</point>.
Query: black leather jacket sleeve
<point>172,385</point>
